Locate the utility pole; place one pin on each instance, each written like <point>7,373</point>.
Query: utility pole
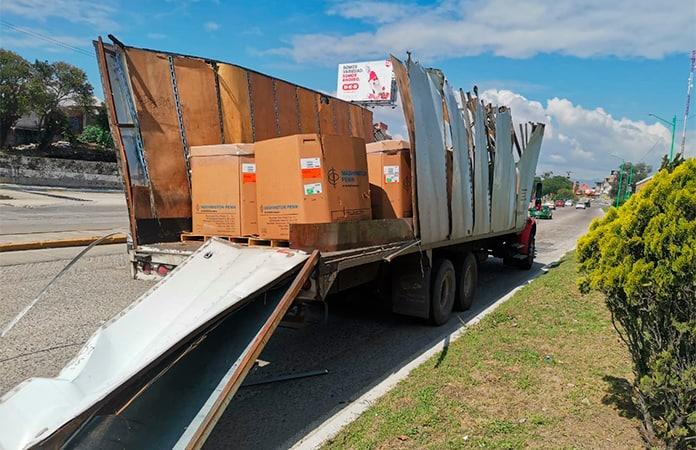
<point>618,192</point>
<point>672,124</point>
<point>628,185</point>
<point>689,85</point>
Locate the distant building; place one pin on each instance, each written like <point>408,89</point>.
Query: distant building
<point>642,183</point>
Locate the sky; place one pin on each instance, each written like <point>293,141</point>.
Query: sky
<point>592,70</point>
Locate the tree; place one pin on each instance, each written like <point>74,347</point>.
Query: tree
<point>15,78</point>
<point>642,257</point>
<point>54,84</point>
<point>640,171</point>
<point>552,184</point>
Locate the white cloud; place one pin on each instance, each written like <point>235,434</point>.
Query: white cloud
<point>456,28</point>
<point>97,15</point>
<point>585,140</point>
<point>211,26</point>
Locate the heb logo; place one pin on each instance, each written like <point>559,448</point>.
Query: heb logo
<point>350,86</point>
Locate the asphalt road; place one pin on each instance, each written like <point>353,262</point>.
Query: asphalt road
<point>360,344</point>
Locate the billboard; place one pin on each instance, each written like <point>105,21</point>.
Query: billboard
<point>369,82</point>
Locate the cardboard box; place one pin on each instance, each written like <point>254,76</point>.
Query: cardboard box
<point>389,167</point>
<point>223,190</point>
<point>310,178</point>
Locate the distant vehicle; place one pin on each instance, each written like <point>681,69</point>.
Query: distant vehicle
<point>550,205</point>
<point>569,203</point>
<point>560,203</point>
<point>542,213</point>
<point>580,205</point>
<point>587,203</point>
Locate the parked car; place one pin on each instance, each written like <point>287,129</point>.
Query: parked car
<point>579,205</point>
<point>569,203</point>
<point>543,213</point>
<point>550,205</point>
<point>560,203</point>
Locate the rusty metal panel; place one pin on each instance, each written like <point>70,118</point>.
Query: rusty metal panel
<point>236,104</point>
<point>461,206</point>
<point>482,206</point>
<point>404,87</point>
<point>431,171</point>
<point>368,125</point>
<point>262,107</point>
<point>526,167</point>
<point>326,117</point>
<point>342,118</point>
<point>159,127</point>
<point>195,80</point>
<point>288,114</point>
<point>503,195</point>
<point>309,115</point>
<point>356,122</point>
<point>329,237</point>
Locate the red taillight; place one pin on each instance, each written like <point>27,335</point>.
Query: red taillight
<point>147,268</point>
<point>162,270</point>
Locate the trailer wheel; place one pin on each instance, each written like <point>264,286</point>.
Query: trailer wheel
<point>467,279</point>
<point>442,291</point>
<point>528,262</point>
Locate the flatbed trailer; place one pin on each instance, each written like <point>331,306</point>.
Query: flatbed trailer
<point>472,171</point>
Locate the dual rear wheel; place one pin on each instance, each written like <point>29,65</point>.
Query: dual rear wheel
<point>453,285</point>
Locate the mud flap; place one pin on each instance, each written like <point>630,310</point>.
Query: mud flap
<point>411,285</point>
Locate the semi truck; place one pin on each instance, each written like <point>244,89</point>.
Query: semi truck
<point>199,331</point>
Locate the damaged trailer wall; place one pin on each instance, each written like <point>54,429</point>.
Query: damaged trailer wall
<point>178,101</point>
<point>489,191</point>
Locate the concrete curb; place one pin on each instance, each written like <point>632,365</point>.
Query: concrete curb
<point>58,243</point>
<point>334,424</point>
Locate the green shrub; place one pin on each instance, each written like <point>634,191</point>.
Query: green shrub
<point>96,135</point>
<point>642,256</point>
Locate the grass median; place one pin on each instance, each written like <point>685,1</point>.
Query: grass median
<point>546,369</point>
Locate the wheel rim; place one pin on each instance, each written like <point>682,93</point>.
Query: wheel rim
<point>467,281</point>
<point>446,289</point>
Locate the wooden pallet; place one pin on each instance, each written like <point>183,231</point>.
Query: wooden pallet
<point>244,240</point>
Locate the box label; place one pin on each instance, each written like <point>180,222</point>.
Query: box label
<point>310,167</point>
<point>312,189</point>
<point>391,174</point>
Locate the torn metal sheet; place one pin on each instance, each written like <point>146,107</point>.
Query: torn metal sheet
<point>462,208</point>
<point>526,167</point>
<point>504,189</point>
<point>482,206</point>
<point>213,280</point>
<point>431,175</point>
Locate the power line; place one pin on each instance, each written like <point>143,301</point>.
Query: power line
<point>45,38</point>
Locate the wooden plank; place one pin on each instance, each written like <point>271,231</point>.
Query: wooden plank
<point>329,237</point>
<point>288,114</point>
<point>368,125</point>
<point>195,81</point>
<point>262,107</point>
<point>249,359</point>
<point>341,113</point>
<point>236,109</point>
<point>309,115</point>
<point>116,134</point>
<point>159,128</point>
<point>326,119</point>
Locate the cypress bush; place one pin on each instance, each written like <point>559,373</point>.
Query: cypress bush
<point>642,257</point>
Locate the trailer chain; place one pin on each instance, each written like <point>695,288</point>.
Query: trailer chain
<point>214,65</point>
<point>250,91</point>
<point>180,117</point>
<point>275,109</point>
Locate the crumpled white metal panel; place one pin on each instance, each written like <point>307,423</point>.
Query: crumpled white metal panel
<point>212,280</point>
<point>462,208</point>
<point>482,207</point>
<point>431,178</point>
<point>503,195</point>
<point>527,169</point>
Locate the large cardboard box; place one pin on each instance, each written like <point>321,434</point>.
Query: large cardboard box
<point>223,190</point>
<point>389,167</point>
<point>310,178</point>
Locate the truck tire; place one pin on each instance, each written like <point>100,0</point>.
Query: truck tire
<point>528,262</point>
<point>442,291</point>
<point>467,279</point>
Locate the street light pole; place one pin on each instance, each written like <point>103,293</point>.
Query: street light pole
<point>673,124</point>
